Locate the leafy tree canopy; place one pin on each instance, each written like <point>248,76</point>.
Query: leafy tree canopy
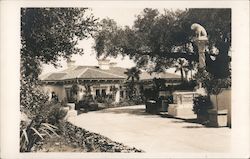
<point>50,33</point>
<point>162,38</point>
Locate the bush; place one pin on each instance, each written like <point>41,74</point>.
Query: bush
<point>202,104</point>
<point>32,98</point>
<point>186,85</point>
<point>56,114</point>
<point>92,142</point>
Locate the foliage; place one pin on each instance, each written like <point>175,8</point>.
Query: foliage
<point>32,98</point>
<point>92,142</point>
<point>159,84</point>
<point>41,125</point>
<point>34,132</point>
<point>212,84</point>
<point>46,35</point>
<point>202,104</point>
<point>181,65</point>
<point>162,38</point>
<point>50,33</point>
<point>56,114</point>
<point>186,85</point>
<point>87,89</point>
<point>75,88</point>
<point>133,76</point>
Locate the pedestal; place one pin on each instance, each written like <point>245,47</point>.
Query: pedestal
<point>183,105</point>
<point>201,43</point>
<point>182,111</point>
<point>217,118</point>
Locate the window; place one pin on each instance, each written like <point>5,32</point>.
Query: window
<point>97,93</point>
<point>122,94</point>
<point>103,92</point>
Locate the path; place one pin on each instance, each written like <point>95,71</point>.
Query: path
<point>154,133</point>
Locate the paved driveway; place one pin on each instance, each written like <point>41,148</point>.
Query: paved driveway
<point>154,133</point>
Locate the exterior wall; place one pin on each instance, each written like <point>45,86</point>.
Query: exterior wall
<point>59,91</point>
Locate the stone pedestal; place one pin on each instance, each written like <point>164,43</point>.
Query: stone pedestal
<point>222,104</point>
<point>217,118</point>
<point>183,105</point>
<point>201,43</point>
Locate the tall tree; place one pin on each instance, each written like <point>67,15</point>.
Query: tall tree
<point>46,35</point>
<point>50,33</point>
<point>165,37</point>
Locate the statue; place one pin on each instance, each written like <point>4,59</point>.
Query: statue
<point>201,41</point>
<point>200,31</point>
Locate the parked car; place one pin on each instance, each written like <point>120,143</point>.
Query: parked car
<point>87,103</point>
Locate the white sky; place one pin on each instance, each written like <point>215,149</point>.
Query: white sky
<point>123,16</point>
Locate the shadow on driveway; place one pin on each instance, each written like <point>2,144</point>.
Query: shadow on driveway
<point>131,111</point>
<point>141,111</point>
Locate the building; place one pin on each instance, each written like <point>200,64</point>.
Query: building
<point>105,80</point>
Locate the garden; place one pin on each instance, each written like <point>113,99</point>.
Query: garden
<point>156,42</point>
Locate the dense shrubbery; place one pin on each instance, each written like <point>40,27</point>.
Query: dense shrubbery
<point>40,114</point>
<point>212,84</point>
<point>56,114</point>
<point>32,98</point>
<point>202,104</point>
<point>92,142</point>
<point>186,85</point>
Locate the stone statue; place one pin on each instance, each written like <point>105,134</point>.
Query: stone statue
<point>201,41</point>
<point>200,32</point>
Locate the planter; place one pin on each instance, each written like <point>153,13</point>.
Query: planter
<point>202,118</point>
<point>217,118</point>
<point>152,107</point>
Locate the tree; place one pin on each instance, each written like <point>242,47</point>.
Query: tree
<point>181,66</point>
<point>46,35</point>
<point>50,33</point>
<point>164,38</point>
<point>133,75</point>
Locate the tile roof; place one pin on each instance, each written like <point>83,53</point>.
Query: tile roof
<point>94,72</point>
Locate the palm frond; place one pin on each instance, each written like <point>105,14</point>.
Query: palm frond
<point>36,132</point>
<point>47,132</point>
<point>24,133</point>
<point>50,127</point>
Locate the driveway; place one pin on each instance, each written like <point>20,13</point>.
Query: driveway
<point>154,133</point>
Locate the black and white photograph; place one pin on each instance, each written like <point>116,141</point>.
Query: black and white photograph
<point>128,79</point>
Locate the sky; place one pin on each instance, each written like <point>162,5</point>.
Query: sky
<point>123,16</point>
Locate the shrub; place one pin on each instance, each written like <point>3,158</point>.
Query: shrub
<point>32,98</point>
<point>212,84</point>
<point>56,114</point>
<point>202,104</point>
<point>35,131</point>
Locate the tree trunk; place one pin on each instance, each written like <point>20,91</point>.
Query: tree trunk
<point>182,78</point>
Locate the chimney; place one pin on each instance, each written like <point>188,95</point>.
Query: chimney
<point>103,64</point>
<point>70,63</point>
